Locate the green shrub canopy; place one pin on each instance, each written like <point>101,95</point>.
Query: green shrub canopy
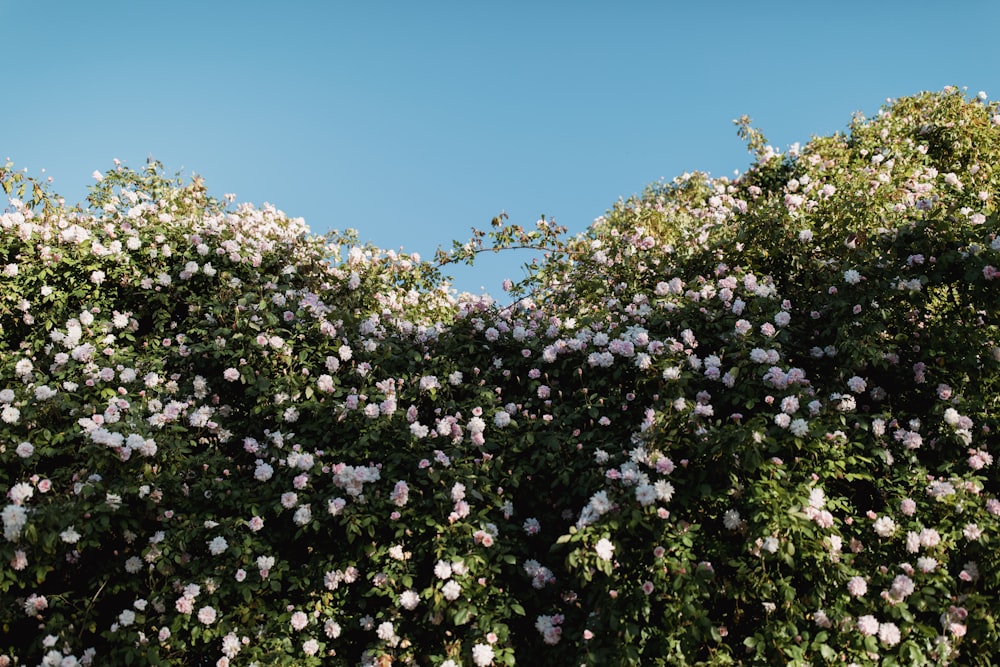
<point>736,421</point>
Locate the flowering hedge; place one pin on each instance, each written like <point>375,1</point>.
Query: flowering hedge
<point>736,421</point>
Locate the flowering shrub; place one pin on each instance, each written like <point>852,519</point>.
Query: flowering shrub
<point>743,421</point>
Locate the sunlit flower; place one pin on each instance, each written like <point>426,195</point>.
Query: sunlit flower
<point>604,548</point>
<point>482,655</point>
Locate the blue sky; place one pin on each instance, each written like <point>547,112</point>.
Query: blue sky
<point>413,122</point>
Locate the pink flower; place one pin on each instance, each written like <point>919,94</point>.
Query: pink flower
<point>857,586</point>
<point>867,625</point>
<point>889,634</point>
<point>207,615</point>
<point>823,519</point>
<point>664,466</point>
<point>19,561</point>
<point>184,604</point>
<point>908,507</point>
<point>299,621</point>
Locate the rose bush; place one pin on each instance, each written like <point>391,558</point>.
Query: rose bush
<point>736,421</point>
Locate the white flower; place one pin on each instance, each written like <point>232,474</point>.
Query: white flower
<point>263,471</point>
<point>889,634</point>
<point>331,628</point>
<point>70,536</point>
<point>217,545</point>
<point>852,277</point>
<point>21,492</point>
<point>482,655</point>
<point>867,624</point>
<point>731,520</point>
<point>409,600</point>
<point>856,384</point>
<point>231,645</point>
<point>477,425</point>
<point>23,368</point>
<point>385,631</point>
<point>884,526</point>
<point>600,502</point>
<point>604,548</point>
<point>451,590</point>
<point>303,515</point>
<point>442,570</point>
<point>335,506</point>
<point>799,427</point>
<point>10,415</point>
<point>299,621</point>
<point>207,615</point>
<point>645,494</point>
<point>664,490</point>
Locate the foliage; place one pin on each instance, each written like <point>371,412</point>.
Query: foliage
<point>737,421</point>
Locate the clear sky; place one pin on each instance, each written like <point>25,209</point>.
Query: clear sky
<point>414,121</point>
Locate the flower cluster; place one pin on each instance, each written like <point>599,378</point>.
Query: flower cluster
<point>762,408</point>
